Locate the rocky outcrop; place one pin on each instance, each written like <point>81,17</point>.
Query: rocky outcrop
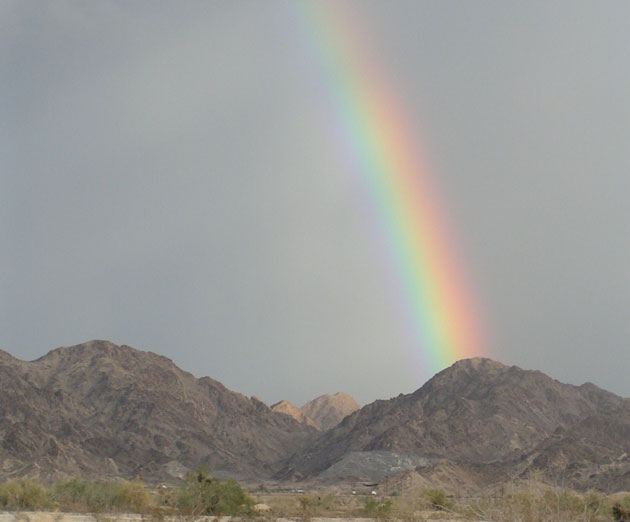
<point>292,410</point>
<point>102,410</point>
<point>327,411</point>
<point>99,409</point>
<point>479,412</point>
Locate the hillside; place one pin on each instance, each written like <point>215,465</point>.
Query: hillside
<point>292,410</point>
<point>102,410</point>
<point>327,410</point>
<point>98,409</point>
<point>475,413</point>
<point>323,412</point>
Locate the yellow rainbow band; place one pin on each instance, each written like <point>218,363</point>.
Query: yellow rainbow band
<point>441,312</point>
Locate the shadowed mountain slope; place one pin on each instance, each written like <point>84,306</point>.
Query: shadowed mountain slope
<point>99,409</point>
<point>594,453</point>
<point>477,411</point>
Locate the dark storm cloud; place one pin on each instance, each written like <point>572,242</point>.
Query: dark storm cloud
<point>170,180</point>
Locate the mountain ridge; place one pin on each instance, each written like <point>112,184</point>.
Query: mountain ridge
<point>327,410</point>
<point>293,411</point>
<point>102,410</point>
<point>98,409</point>
<point>477,411</point>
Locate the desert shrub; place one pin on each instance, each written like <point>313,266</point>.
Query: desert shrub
<point>377,508</point>
<point>100,496</point>
<point>541,504</point>
<point>437,498</point>
<point>521,505</point>
<point>84,495</point>
<point>23,494</point>
<point>232,499</point>
<point>595,502</point>
<point>317,504</point>
<point>306,507</point>
<point>202,495</point>
<point>326,503</point>
<point>563,501</point>
<point>284,505</point>
<point>166,497</point>
<point>408,503</point>
<point>68,494</point>
<point>131,496</point>
<point>80,495</point>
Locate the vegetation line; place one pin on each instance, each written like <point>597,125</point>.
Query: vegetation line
<point>199,494</point>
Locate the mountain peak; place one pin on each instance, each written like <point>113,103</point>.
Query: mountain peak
<point>477,411</point>
<point>479,364</point>
<point>290,409</point>
<point>329,410</point>
<point>465,371</point>
<point>88,349</point>
<point>98,403</point>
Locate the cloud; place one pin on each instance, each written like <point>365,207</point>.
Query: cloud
<point>171,180</point>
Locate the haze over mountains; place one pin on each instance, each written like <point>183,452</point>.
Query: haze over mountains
<point>98,409</point>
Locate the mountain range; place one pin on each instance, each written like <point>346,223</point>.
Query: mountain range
<point>98,409</point>
<point>102,410</point>
<point>486,422</point>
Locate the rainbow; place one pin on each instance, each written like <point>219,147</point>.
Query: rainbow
<point>393,171</point>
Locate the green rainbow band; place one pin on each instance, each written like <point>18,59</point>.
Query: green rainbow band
<point>394,172</point>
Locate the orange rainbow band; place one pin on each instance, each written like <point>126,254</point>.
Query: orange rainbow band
<point>392,169</point>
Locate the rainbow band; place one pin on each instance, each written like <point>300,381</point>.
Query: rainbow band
<point>393,171</point>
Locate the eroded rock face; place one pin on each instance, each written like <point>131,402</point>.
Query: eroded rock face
<point>292,410</point>
<point>99,409</point>
<point>478,412</point>
<point>327,410</point>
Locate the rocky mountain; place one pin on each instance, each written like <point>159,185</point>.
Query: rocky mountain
<point>594,453</point>
<point>292,410</point>
<point>98,409</point>
<point>327,411</point>
<point>480,417</point>
<point>323,412</point>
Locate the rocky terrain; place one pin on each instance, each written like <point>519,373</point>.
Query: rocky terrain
<point>292,410</point>
<point>327,411</point>
<point>480,422</point>
<point>323,412</point>
<point>98,409</point>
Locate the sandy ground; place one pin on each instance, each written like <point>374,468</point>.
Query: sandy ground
<point>47,516</point>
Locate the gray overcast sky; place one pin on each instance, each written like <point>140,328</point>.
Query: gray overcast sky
<point>169,179</point>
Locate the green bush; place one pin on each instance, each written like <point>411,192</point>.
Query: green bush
<point>82,495</point>
<point>100,496</point>
<point>202,495</point>
<point>199,495</point>
<point>23,494</point>
<point>131,496</point>
<point>377,508</point>
<point>539,503</point>
<point>437,499</point>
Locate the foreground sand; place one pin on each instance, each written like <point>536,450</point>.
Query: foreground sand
<point>50,516</point>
